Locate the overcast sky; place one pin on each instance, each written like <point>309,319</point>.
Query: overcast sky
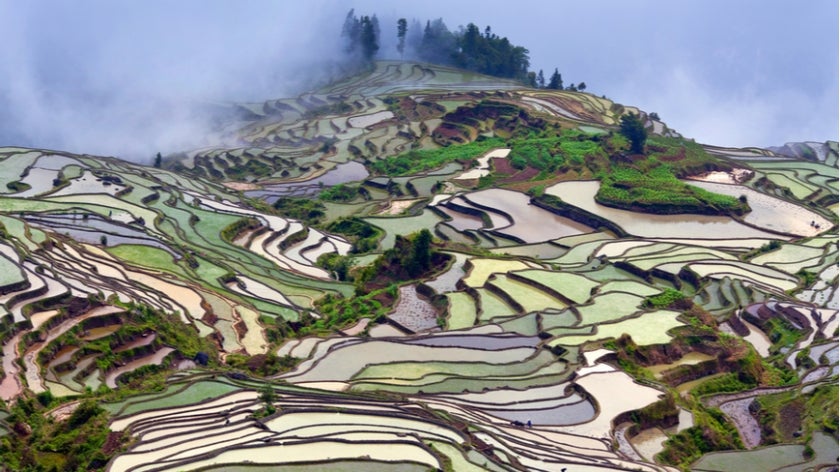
<point>118,77</point>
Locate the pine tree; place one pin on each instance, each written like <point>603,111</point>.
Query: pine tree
<point>540,79</point>
<point>421,254</point>
<point>351,32</point>
<point>402,28</point>
<point>158,161</point>
<point>556,81</point>
<point>633,129</point>
<point>368,38</point>
<point>414,36</point>
<point>532,79</point>
<point>377,32</point>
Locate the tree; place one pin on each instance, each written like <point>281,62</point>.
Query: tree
<point>268,396</point>
<point>402,29</point>
<point>581,86</point>
<point>368,39</point>
<point>438,45</point>
<point>541,79</point>
<point>532,79</point>
<point>351,32</point>
<point>633,129</point>
<point>414,37</point>
<point>556,81</point>
<point>158,161</point>
<point>419,258</point>
<point>377,32</point>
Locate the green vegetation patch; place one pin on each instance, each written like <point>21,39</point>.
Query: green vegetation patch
<point>82,442</point>
<point>306,210</point>
<point>339,312</point>
<point>363,234</point>
<point>657,190</point>
<point>572,149</point>
<point>10,273</point>
<point>462,310</point>
<point>340,193</point>
<point>669,298</point>
<point>417,161</point>
<point>786,416</point>
<point>145,256</point>
<point>712,431</point>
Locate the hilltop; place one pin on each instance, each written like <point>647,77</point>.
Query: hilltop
<point>422,267</point>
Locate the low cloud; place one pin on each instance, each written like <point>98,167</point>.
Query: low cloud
<point>739,115</point>
<point>133,79</point>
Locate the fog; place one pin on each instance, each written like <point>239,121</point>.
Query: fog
<point>134,78</point>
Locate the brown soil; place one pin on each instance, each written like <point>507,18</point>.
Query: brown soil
<point>525,185</point>
<point>790,420</point>
<point>112,444</point>
<point>501,166</point>
<point>241,186</point>
<point>524,175</point>
<point>411,110</point>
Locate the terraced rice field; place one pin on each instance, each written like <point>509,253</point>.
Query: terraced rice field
<point>508,359</point>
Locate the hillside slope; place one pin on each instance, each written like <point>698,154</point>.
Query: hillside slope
<point>277,302</point>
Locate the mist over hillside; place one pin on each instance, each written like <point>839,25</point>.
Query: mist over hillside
<point>133,80</point>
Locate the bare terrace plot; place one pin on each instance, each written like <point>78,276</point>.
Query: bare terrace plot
<point>483,167</point>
